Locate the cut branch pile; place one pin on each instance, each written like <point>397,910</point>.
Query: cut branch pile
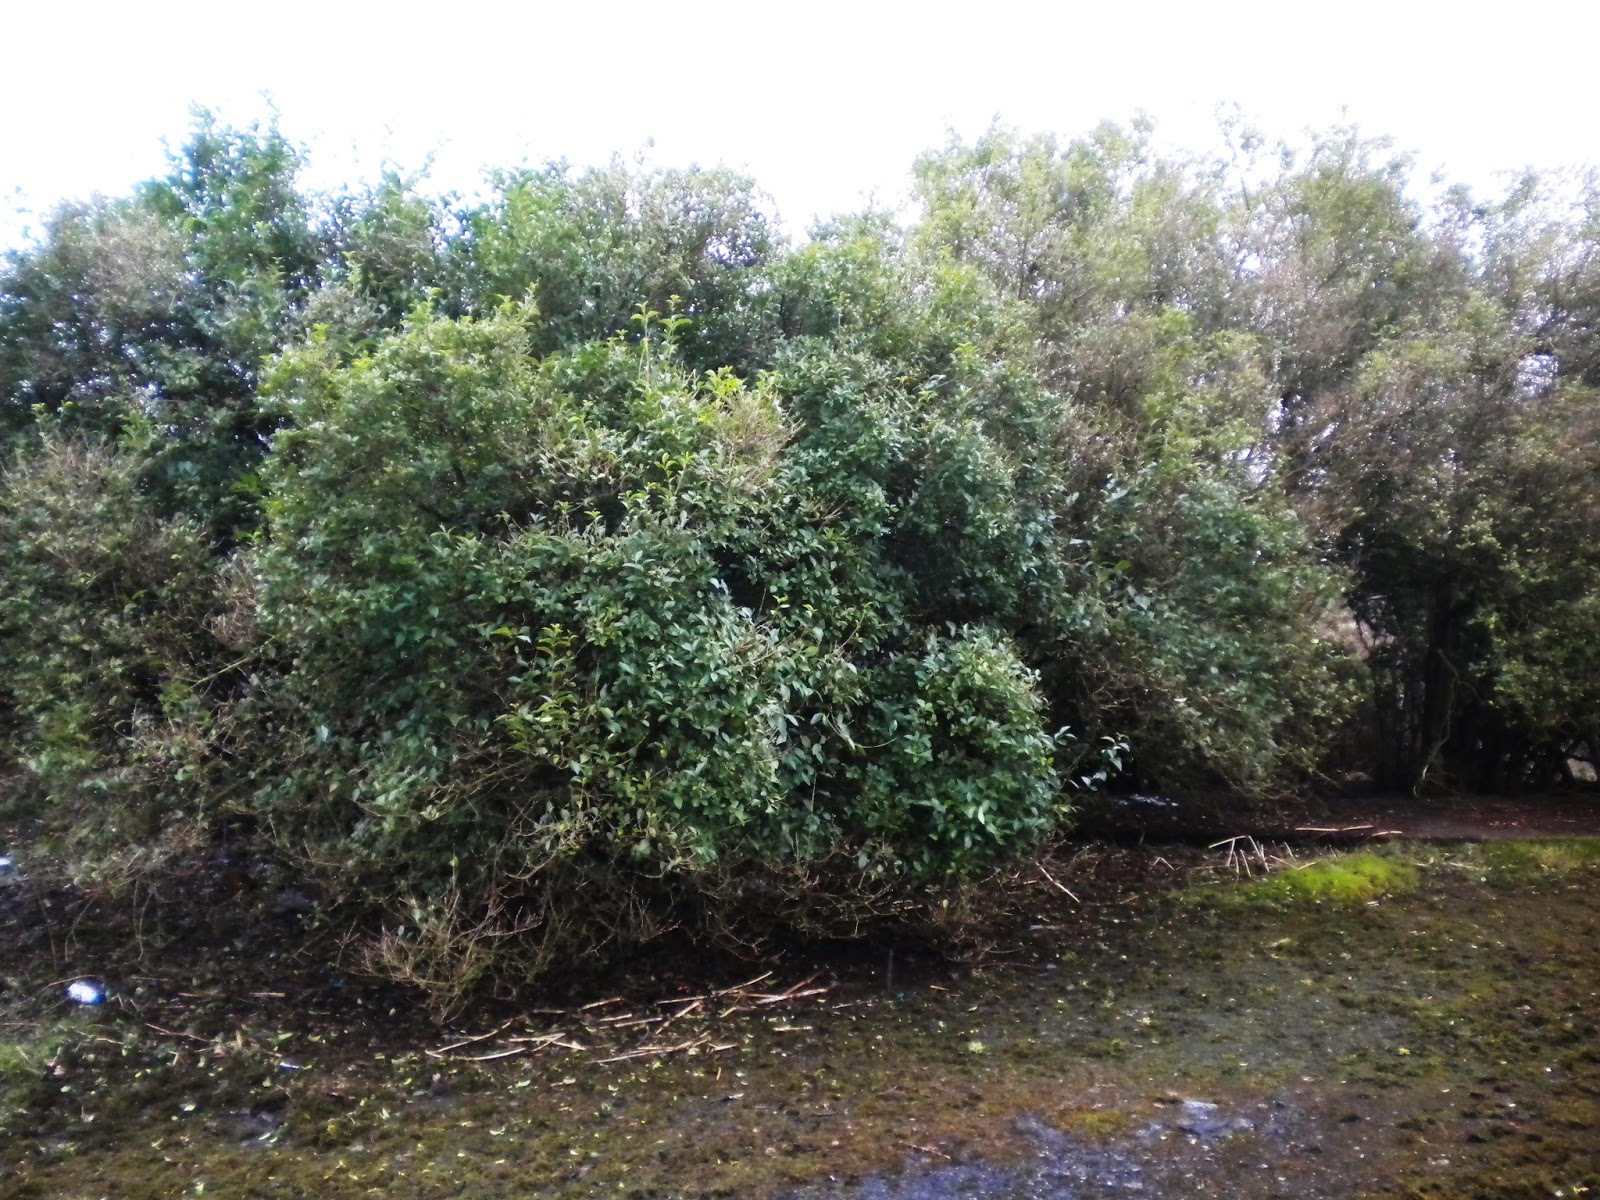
<point>1246,855</point>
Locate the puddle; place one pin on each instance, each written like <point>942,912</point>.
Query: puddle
<point>1200,1148</point>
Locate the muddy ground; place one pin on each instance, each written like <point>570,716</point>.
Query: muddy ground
<point>1416,1019</point>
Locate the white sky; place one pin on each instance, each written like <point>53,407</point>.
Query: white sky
<point>825,103</point>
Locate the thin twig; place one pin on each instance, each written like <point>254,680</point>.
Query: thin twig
<point>682,1012</point>
<point>482,1037</point>
<point>653,1051</point>
<point>1056,883</point>
<point>727,991</point>
<point>1331,828</point>
<point>515,1050</point>
<point>193,1037</point>
<point>778,999</point>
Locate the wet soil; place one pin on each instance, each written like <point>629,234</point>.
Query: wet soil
<point>1476,818</point>
<point>1340,820</point>
<point>1179,1029</point>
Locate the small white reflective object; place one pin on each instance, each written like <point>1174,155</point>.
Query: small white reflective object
<point>83,991</point>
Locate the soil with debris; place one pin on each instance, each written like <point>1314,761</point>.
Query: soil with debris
<point>1144,818</point>
<point>1415,1020</point>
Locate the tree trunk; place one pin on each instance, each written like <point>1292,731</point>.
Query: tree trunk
<point>1438,688</point>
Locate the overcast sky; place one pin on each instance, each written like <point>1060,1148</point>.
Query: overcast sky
<point>825,103</point>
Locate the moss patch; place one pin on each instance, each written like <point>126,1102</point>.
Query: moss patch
<point>1340,879</point>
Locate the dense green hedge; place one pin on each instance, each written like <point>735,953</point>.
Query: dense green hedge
<point>539,573</point>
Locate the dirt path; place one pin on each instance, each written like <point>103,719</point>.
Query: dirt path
<point>1475,819</point>
<point>1203,820</point>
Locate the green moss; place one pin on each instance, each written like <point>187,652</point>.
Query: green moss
<point>1342,879</point>
<point>1096,1124</point>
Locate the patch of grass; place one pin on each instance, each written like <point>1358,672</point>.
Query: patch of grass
<point>22,1060</point>
<point>17,1062</point>
<point>23,1069</point>
<point>1517,860</point>
<point>1341,879</point>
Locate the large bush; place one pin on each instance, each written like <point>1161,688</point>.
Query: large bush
<point>576,632</point>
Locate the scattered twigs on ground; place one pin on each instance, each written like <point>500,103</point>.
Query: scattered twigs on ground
<point>595,1028</point>
<point>482,1037</point>
<point>703,1042</point>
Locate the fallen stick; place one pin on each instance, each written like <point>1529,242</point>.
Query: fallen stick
<point>515,1050</point>
<point>630,1020</point>
<point>727,991</point>
<point>526,1046</point>
<point>652,1051</point>
<point>193,1037</point>
<point>682,1012</point>
<point>782,996</point>
<point>472,1041</point>
<point>1053,882</point>
<point>1331,828</point>
<point>810,979</point>
<point>543,1039</point>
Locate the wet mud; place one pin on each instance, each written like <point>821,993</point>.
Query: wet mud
<point>1420,1023</point>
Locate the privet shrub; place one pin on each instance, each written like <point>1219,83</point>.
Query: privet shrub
<point>566,637</point>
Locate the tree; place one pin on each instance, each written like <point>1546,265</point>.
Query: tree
<point>156,311</point>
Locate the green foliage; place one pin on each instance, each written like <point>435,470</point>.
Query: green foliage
<point>156,312</point>
<point>390,240</point>
<point>964,771</point>
<point>1464,504</point>
<point>114,649</point>
<point>543,640</point>
<point>590,249</point>
<point>1404,385</point>
<point>1199,629</point>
